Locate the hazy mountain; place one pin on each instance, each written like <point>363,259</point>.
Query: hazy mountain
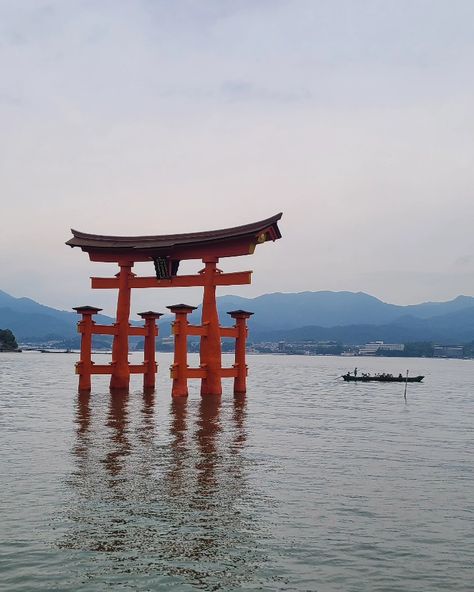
<point>326,309</point>
<point>329,309</point>
<point>32,326</point>
<point>455,327</point>
<point>347,316</point>
<point>433,309</point>
<point>30,320</point>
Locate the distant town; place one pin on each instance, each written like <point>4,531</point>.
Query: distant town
<point>305,348</point>
<point>375,348</point>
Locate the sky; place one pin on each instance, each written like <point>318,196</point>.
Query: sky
<point>353,118</point>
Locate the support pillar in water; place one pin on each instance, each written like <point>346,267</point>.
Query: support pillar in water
<point>120,379</point>
<point>149,354</point>
<point>84,366</point>
<point>179,369</point>
<point>210,349</point>
<point>240,380</point>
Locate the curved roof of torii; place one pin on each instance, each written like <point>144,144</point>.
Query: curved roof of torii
<point>225,242</point>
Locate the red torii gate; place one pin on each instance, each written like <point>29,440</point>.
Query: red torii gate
<point>166,251</point>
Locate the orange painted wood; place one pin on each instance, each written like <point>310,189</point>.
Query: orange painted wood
<point>236,278</point>
<point>229,332</point>
<point>210,347</point>
<point>108,368</point>
<point>113,330</point>
<point>240,381</point>
<point>180,365</point>
<point>137,331</point>
<point>196,372</point>
<point>196,330</point>
<point>189,372</point>
<point>104,329</point>
<point>137,368</point>
<point>83,368</point>
<point>151,331</point>
<point>102,369</point>
<point>229,372</point>
<point>103,283</point>
<point>232,249</point>
<point>120,379</point>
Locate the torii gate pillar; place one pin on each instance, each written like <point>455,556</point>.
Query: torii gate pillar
<point>120,378</point>
<point>210,349</point>
<point>240,380</point>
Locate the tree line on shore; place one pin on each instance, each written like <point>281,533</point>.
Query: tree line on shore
<point>7,340</point>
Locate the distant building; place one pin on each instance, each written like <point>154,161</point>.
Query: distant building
<point>370,349</point>
<point>448,351</point>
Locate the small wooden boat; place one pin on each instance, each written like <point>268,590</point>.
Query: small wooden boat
<point>380,378</point>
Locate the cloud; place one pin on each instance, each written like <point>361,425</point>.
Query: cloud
<point>354,119</point>
<point>464,261</point>
<point>241,90</point>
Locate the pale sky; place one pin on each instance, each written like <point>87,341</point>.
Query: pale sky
<point>353,118</point>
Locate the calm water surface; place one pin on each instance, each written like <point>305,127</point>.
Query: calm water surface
<point>308,483</point>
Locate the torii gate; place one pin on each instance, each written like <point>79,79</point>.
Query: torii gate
<point>166,252</point>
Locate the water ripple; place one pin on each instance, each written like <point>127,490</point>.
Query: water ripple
<point>307,484</point>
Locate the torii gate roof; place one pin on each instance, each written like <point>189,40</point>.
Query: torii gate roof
<point>225,242</point>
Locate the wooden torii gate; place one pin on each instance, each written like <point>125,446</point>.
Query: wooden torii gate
<point>166,252</point>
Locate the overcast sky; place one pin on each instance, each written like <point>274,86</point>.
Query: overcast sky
<point>353,118</point>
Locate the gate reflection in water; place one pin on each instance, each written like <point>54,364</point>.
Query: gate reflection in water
<point>167,501</point>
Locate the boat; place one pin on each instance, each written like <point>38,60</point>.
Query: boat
<point>380,378</point>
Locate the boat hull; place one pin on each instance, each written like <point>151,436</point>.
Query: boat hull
<point>349,378</point>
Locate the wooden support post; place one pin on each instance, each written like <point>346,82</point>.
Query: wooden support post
<point>84,366</point>
<point>240,381</point>
<point>120,379</point>
<point>210,349</point>
<point>179,369</point>
<point>151,332</point>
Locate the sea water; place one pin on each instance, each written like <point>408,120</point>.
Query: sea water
<point>308,483</point>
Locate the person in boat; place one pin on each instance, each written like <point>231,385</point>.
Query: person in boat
<point>355,372</point>
<point>400,376</point>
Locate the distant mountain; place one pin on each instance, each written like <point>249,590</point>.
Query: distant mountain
<point>346,316</point>
<point>328,309</point>
<point>34,326</point>
<point>31,321</point>
<point>434,309</point>
<point>455,327</point>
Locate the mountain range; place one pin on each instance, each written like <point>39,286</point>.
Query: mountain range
<point>348,317</point>
<point>31,321</point>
